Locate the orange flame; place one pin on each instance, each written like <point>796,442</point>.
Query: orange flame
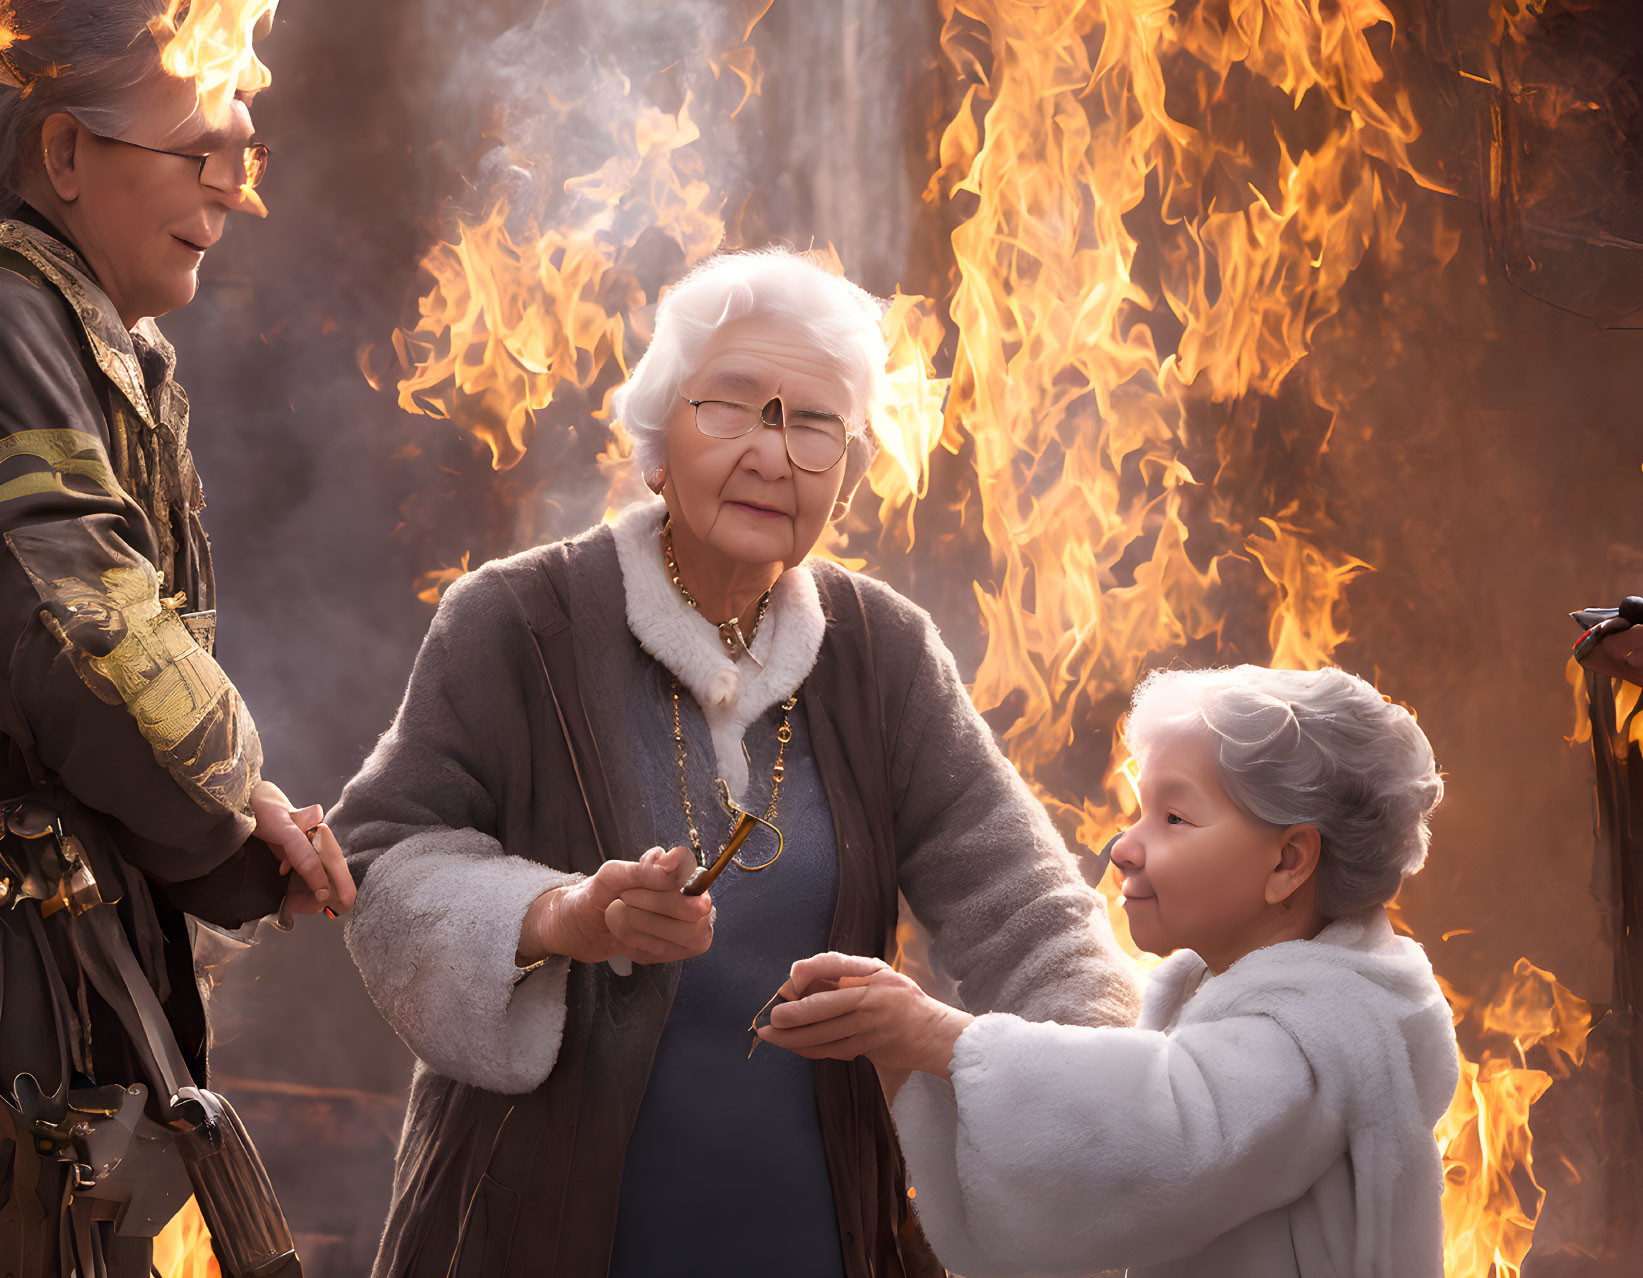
<point>212,43</point>
<point>1488,1159</point>
<point>1082,433</point>
<point>9,36</point>
<point>183,1248</point>
<point>1057,382</point>
<point>1626,696</point>
<point>513,316</point>
<point>431,585</point>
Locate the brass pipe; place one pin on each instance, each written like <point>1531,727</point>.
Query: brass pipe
<point>702,879</point>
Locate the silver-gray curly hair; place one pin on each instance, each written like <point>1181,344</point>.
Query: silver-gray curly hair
<point>1311,747</point>
<point>87,57</point>
<point>841,318</point>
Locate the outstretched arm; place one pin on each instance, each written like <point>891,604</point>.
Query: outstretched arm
<point>1009,914</point>
<point>1068,1150</point>
<point>1013,1129</point>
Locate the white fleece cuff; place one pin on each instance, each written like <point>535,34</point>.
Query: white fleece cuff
<point>925,1113</point>
<point>435,932</point>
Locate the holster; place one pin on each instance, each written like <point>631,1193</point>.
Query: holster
<point>124,1167</point>
<point>236,1198</point>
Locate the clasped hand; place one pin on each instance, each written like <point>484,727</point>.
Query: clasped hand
<point>307,851</point>
<point>846,1005</point>
<point>629,909</point>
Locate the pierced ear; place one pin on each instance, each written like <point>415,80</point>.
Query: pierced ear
<point>1297,862</point>
<point>59,138</point>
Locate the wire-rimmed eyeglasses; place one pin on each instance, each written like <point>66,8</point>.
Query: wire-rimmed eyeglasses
<point>815,441</point>
<point>235,168</point>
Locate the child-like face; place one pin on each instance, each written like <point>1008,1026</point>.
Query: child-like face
<point>1197,869</point>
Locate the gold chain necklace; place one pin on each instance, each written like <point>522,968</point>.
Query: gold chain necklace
<point>778,771</point>
<point>730,632</point>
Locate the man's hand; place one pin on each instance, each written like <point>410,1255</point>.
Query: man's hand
<point>302,843</point>
<point>848,1006</point>
<point>628,908</point>
<point>1620,655</point>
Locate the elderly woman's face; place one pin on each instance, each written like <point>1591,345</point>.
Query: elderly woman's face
<point>1195,865</point>
<point>744,498</point>
<point>143,220</point>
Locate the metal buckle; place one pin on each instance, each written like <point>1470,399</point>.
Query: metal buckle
<point>50,865</point>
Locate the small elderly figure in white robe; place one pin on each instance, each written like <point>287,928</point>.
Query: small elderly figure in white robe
<point>1272,1113</point>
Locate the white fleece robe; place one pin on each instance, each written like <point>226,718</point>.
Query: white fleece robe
<point>1273,1121</point>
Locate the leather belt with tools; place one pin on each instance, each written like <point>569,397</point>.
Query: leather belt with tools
<point>123,1166</point>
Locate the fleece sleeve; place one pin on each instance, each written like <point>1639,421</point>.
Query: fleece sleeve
<point>1067,1150</point>
<point>1011,918</point>
<point>441,901</point>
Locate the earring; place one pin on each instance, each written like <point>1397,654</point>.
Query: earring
<point>655,479</point>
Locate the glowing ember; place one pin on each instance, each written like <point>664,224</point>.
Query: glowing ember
<point>9,36</point>
<point>211,42</point>
<point>431,585</point>
<point>183,1249</point>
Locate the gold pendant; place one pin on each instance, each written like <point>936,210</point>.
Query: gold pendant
<point>702,879</point>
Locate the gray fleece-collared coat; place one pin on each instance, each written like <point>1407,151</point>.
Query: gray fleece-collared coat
<point>503,777</point>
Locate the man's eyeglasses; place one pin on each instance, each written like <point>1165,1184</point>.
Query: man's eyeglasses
<point>815,441</point>
<point>235,168</point>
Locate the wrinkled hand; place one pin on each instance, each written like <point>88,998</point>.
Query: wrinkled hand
<point>629,908</point>
<point>322,880</point>
<point>1620,656</point>
<point>848,1006</point>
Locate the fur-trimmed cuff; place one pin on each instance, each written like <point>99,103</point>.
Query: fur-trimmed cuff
<point>925,1113</point>
<point>434,933</point>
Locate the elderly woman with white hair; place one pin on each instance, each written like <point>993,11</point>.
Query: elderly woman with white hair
<point>1272,1114</point>
<point>586,1101</point>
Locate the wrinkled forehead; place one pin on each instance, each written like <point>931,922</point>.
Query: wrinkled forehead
<point>767,355</point>
<point>165,113</point>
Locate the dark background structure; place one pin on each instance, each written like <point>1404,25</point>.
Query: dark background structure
<point>1489,473</point>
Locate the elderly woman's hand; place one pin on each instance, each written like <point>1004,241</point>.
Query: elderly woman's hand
<point>628,908</point>
<point>848,1006</point>
<point>306,846</point>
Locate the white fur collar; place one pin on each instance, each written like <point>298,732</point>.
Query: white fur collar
<point>732,694</point>
<point>1176,980</point>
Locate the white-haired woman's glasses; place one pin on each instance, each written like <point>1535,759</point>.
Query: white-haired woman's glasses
<point>234,168</point>
<point>815,440</point>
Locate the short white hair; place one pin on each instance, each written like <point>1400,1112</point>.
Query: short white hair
<point>840,317</point>
<point>1310,747</point>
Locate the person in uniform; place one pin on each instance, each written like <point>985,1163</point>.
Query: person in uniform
<point>130,782</point>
